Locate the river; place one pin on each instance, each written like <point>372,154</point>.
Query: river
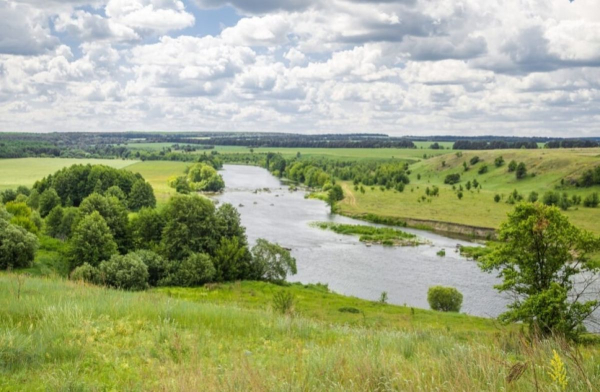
<point>348,266</point>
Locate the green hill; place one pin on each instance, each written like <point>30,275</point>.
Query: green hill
<point>545,170</point>
<point>58,335</point>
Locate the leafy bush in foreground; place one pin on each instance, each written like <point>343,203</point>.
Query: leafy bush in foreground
<point>124,272</point>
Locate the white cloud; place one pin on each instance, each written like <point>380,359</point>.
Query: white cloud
<point>397,66</point>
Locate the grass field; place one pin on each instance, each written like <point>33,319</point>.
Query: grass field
<point>26,171</point>
<point>157,173</point>
<point>58,335</point>
<point>478,207</point>
<point>346,154</point>
<point>15,172</point>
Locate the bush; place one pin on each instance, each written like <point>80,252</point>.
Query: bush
<point>17,246</point>
<point>512,166</point>
<point>157,266</point>
<point>348,309</point>
<point>445,299</point>
<point>124,272</point>
<point>497,198</point>
<point>26,223</point>
<point>271,262</point>
<point>195,270</point>
<point>142,195</point>
<point>499,161</point>
<point>551,198</point>
<point>91,242</point>
<point>591,201</point>
<point>521,171</point>
<point>533,197</point>
<point>474,160</point>
<point>283,302</point>
<point>85,273</point>
<point>452,179</point>
<point>483,169</point>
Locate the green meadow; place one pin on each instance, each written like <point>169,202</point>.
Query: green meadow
<point>58,335</point>
<point>546,169</point>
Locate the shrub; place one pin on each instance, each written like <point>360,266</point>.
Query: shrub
<point>512,166</point>
<point>551,198</point>
<point>592,200</point>
<point>283,302</point>
<point>499,161</point>
<point>142,195</point>
<point>124,272</point>
<point>497,198</point>
<point>521,171</point>
<point>17,246</point>
<point>348,309</point>
<point>445,299</point>
<point>474,160</point>
<point>85,273</point>
<point>195,270</point>
<point>459,195</point>
<point>441,252</point>
<point>452,179</point>
<point>26,223</point>
<point>483,169</point>
<point>157,266</point>
<point>18,209</point>
<point>383,298</point>
<point>533,197</point>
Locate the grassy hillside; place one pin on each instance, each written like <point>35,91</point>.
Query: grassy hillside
<point>62,336</point>
<point>477,206</point>
<point>26,171</point>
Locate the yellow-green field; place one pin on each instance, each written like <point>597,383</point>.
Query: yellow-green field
<point>478,208</point>
<point>26,171</point>
<point>157,173</point>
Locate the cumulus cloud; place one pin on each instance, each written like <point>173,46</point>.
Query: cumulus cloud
<point>396,66</point>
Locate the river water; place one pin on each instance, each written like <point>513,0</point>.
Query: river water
<point>348,266</point>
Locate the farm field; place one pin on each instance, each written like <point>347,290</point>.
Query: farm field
<point>64,335</point>
<point>477,207</point>
<point>26,171</point>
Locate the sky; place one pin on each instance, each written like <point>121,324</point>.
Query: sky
<point>401,67</point>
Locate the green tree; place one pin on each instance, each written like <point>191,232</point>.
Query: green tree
<point>512,166</point>
<point>146,228</point>
<point>444,299</point>
<point>17,246</point>
<point>231,260</point>
<point>91,242</point>
<point>499,161</point>
<point>54,221</point>
<point>114,213</point>
<point>591,200</point>
<point>271,262</point>
<point>48,200</point>
<point>539,255</point>
<point>142,195</point>
<point>521,171</point>
<point>33,200</point>
<point>190,227</point>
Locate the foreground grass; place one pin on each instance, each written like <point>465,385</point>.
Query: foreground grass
<point>477,207</point>
<point>26,171</point>
<point>58,335</point>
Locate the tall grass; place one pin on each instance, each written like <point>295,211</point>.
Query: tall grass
<point>60,335</point>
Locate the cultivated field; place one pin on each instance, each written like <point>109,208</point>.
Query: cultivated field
<point>26,171</point>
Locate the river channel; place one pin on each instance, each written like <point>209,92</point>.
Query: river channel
<point>348,266</point>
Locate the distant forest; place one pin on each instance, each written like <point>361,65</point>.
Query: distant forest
<point>120,145</point>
